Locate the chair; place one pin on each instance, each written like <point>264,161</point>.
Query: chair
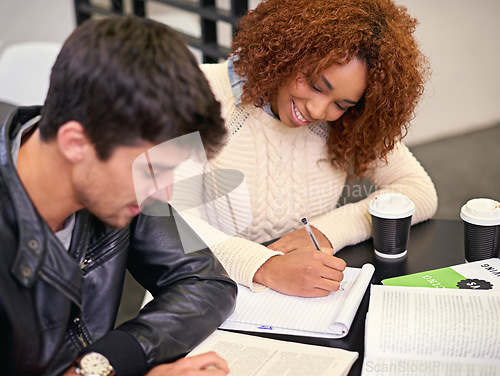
<point>25,72</point>
<point>5,110</point>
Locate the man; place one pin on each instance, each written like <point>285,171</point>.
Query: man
<point>69,223</point>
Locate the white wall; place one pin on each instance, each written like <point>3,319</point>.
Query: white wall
<point>460,37</point>
<point>462,40</point>
<point>40,20</point>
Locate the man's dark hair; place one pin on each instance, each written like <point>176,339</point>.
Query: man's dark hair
<point>130,79</point>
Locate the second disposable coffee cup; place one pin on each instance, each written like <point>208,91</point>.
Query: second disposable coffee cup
<point>391,222</point>
<point>481,218</point>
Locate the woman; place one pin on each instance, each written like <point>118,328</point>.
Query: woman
<point>316,91</point>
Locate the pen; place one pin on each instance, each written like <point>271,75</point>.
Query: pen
<point>267,327</point>
<point>311,234</point>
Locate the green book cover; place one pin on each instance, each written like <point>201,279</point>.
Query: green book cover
<point>479,275</point>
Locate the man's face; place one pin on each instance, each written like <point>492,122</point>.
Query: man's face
<point>106,188</point>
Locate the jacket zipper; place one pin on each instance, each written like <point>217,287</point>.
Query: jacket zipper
<point>79,334</point>
<point>88,263</point>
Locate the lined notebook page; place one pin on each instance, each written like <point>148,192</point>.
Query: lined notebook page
<point>329,316</point>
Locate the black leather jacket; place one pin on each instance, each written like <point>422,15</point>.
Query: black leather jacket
<point>54,303</point>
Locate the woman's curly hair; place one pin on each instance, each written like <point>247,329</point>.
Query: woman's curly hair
<point>280,38</point>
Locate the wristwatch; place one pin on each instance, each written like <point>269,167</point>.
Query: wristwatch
<point>94,364</point>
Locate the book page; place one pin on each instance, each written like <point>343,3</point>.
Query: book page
<point>329,316</point>
<point>414,367</point>
<point>255,356</point>
<point>440,325</point>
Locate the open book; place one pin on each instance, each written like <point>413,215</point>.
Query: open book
<point>248,355</point>
<point>423,331</point>
<point>327,317</point>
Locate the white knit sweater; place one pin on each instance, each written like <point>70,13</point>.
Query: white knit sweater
<point>288,177</point>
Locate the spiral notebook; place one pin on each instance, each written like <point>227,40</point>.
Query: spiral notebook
<point>327,317</point>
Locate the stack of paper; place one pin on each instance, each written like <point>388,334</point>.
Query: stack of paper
<point>426,331</point>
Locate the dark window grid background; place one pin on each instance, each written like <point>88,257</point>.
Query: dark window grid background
<point>209,14</point>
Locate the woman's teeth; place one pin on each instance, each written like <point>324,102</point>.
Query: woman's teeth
<point>298,114</point>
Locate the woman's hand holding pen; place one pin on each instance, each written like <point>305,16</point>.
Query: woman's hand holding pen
<point>299,239</point>
<point>304,272</point>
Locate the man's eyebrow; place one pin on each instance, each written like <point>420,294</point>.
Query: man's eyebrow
<point>155,167</point>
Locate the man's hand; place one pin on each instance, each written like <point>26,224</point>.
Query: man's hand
<point>305,272</point>
<point>207,364</point>
<point>298,239</point>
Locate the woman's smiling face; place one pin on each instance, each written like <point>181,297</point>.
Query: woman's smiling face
<point>300,103</point>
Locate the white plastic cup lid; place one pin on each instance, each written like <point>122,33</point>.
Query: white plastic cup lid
<point>481,212</point>
<point>391,206</point>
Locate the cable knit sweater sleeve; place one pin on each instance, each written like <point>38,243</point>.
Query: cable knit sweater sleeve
<point>351,223</point>
<point>240,257</point>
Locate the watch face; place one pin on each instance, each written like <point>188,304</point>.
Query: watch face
<point>95,364</point>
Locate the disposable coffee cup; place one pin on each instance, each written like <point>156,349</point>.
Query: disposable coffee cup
<point>391,222</point>
<point>481,218</point>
